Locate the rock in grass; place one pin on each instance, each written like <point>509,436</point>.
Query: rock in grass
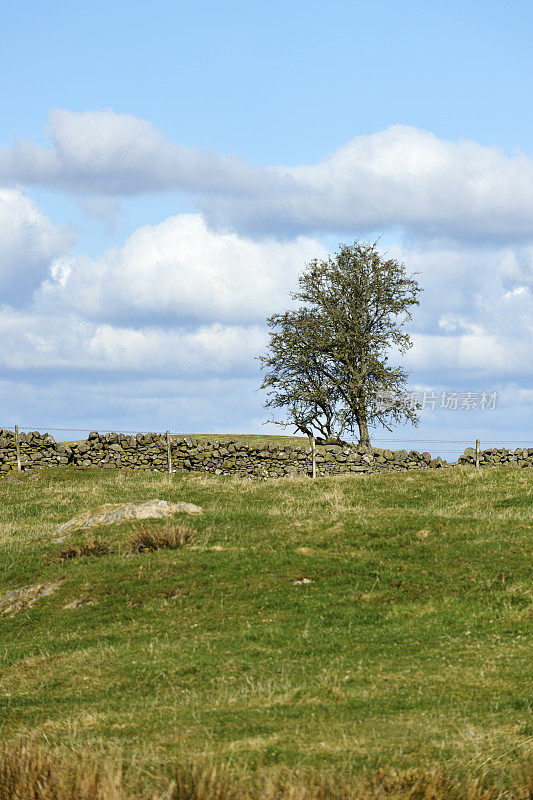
<point>110,513</point>
<point>25,597</point>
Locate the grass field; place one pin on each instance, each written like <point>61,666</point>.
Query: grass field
<point>336,625</point>
<point>252,438</point>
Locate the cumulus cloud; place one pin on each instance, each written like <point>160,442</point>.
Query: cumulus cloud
<point>70,344</point>
<point>193,298</point>
<point>402,176</point>
<point>182,297</point>
<point>181,270</point>
<point>470,356</point>
<point>214,349</point>
<point>475,314</point>
<point>472,288</point>
<point>116,154</point>
<point>410,177</point>
<point>183,304</point>
<point>28,242</point>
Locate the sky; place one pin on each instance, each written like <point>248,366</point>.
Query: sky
<point>168,169</point>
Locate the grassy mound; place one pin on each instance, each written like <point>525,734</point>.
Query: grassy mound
<point>329,626</point>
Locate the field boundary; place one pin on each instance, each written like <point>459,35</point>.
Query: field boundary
<point>166,452</point>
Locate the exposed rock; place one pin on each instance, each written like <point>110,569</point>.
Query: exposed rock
<point>25,597</point>
<point>110,513</point>
<point>79,602</point>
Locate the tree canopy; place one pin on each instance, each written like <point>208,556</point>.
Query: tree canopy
<point>328,360</point>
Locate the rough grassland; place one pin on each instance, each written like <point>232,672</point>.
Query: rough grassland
<point>406,647</point>
<point>252,438</point>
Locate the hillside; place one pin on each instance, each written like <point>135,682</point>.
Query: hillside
<point>336,625</point>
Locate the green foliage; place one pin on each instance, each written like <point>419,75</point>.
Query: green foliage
<point>328,360</point>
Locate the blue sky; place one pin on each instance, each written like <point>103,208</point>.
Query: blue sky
<point>149,153</point>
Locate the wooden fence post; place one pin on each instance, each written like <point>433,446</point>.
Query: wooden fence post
<point>17,447</point>
<point>477,453</point>
<point>169,457</point>
<point>313,454</point>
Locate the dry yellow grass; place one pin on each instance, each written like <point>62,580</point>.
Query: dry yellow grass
<point>30,772</point>
<point>91,546</point>
<point>168,536</point>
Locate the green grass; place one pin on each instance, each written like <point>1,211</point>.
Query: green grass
<point>408,647</point>
<point>252,438</point>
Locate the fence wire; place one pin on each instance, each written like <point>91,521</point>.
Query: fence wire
<point>487,443</point>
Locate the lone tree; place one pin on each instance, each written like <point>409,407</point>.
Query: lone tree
<point>327,363</point>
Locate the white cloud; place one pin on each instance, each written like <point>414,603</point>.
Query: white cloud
<point>405,177</point>
<point>183,296</point>
<point>215,349</point>
<point>401,176</point>
<point>181,270</point>
<point>28,241</point>
<point>185,301</point>
<point>118,154</point>
<point>470,356</point>
<point>471,288</point>
<point>68,344</point>
<point>475,315</point>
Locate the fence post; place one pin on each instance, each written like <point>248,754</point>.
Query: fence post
<point>169,457</point>
<point>313,454</point>
<point>17,447</point>
<point>477,453</point>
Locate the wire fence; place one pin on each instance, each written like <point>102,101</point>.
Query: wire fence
<point>487,443</point>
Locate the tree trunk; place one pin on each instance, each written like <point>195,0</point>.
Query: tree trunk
<point>364,437</point>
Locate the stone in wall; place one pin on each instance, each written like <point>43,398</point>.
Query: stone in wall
<point>239,457</point>
<point>499,457</point>
<point>37,450</point>
<point>236,457</point>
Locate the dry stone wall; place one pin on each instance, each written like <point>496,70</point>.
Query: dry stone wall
<point>238,457</point>
<point>36,450</point>
<point>235,457</point>
<point>520,457</point>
